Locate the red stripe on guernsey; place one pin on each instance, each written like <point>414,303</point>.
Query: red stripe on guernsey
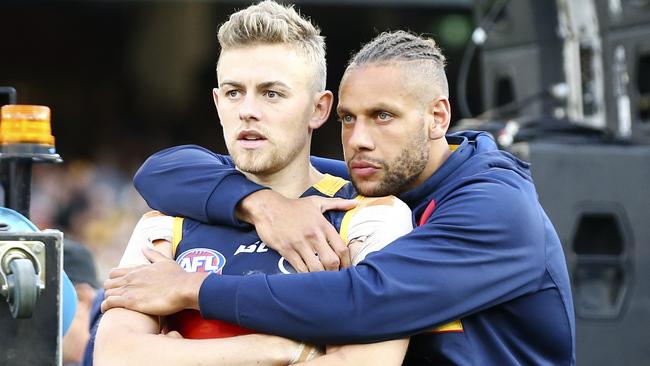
<point>191,325</point>
<point>427,212</point>
<point>452,327</point>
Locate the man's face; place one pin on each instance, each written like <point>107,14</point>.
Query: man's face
<point>265,102</point>
<point>384,130</point>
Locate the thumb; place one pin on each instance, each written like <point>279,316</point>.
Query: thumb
<point>173,334</point>
<point>153,256</point>
<point>337,204</point>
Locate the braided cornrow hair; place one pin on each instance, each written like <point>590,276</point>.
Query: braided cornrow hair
<point>401,46</point>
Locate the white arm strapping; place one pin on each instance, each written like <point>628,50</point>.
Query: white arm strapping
<point>377,224</point>
<point>146,231</point>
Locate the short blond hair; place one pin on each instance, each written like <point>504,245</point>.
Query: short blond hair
<point>271,23</point>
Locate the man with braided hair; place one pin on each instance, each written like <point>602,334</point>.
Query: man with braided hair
<point>271,95</point>
<point>484,259</point>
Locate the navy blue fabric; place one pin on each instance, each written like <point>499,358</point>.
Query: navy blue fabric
<point>487,256</point>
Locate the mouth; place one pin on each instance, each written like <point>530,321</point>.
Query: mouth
<point>363,168</point>
<point>250,139</point>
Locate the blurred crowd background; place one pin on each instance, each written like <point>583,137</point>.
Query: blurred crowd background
<point>127,78</point>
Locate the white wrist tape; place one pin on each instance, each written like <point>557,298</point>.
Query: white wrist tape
<point>377,224</point>
<point>296,356</point>
<point>304,353</point>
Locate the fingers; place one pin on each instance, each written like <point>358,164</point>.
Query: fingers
<point>308,255</point>
<point>327,257</point>
<point>340,204</point>
<point>338,248</point>
<point>111,302</point>
<point>296,261</point>
<point>120,272</point>
<point>116,282</point>
<point>173,334</point>
<point>154,256</point>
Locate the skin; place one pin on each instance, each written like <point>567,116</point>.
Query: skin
<point>268,111</point>
<point>392,140</point>
<point>75,340</point>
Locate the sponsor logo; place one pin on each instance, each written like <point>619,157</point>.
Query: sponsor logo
<point>285,267</point>
<point>201,260</point>
<point>257,247</point>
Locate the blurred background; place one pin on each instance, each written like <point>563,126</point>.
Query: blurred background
<point>127,78</point>
<point>564,84</point>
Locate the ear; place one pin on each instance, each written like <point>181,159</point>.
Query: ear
<point>215,98</point>
<point>322,107</point>
<point>440,111</point>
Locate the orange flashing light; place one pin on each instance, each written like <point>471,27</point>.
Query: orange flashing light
<point>25,124</point>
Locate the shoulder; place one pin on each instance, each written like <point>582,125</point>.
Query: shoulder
<point>492,206</point>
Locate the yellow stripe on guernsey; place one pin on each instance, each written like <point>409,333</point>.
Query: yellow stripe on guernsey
<point>453,147</point>
<point>329,185</point>
<point>455,326</point>
<point>177,234</point>
<point>345,222</point>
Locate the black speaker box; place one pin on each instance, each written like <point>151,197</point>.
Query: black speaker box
<point>517,73</point>
<point>598,198</point>
<point>635,41</point>
<point>520,22</point>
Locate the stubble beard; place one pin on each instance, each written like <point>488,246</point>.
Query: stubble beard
<point>264,162</point>
<point>400,174</point>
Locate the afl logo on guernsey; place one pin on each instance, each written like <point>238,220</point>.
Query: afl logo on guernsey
<point>201,260</point>
<point>285,267</point>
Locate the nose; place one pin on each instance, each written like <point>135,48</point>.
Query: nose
<point>248,109</point>
<point>358,136</point>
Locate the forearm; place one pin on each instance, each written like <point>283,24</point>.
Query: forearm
<point>206,186</point>
<point>123,339</point>
<point>384,353</point>
<point>372,302</point>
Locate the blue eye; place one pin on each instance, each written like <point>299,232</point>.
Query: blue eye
<point>232,93</point>
<point>271,94</point>
<point>346,119</point>
<point>383,116</point>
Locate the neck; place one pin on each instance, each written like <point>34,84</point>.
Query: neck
<point>291,181</point>
<point>438,153</point>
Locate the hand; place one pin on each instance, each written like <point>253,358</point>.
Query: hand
<point>172,334</point>
<point>297,229</point>
<point>160,288</point>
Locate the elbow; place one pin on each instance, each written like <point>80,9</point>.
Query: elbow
<point>141,178</point>
<point>111,346</point>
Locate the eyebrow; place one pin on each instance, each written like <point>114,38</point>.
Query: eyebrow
<point>275,83</point>
<point>379,107</point>
<point>264,85</point>
<point>230,82</point>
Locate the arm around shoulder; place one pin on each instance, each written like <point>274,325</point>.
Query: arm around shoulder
<point>206,186</point>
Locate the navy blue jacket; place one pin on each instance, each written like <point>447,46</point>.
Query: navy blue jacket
<point>488,257</point>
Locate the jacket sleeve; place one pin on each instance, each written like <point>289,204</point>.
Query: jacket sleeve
<point>482,246</point>
<point>336,168</point>
<point>193,182</point>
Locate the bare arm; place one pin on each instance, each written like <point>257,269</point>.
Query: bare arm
<point>385,353</point>
<point>127,337</point>
<point>188,181</point>
<point>375,223</point>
